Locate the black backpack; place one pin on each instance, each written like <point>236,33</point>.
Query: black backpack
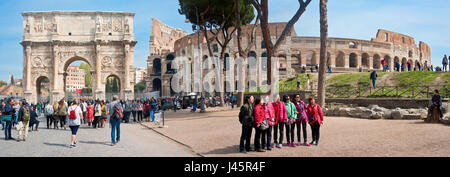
<point>242,114</point>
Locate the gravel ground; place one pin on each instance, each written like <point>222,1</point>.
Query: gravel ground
<point>136,141</point>
<point>218,133</point>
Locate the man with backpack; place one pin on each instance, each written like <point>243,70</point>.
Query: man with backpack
<point>48,111</point>
<point>116,116</point>
<point>24,117</point>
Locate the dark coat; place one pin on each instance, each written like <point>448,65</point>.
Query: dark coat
<point>437,99</point>
<point>373,75</point>
<point>246,116</point>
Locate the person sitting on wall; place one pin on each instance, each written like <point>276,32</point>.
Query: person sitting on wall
<point>435,111</point>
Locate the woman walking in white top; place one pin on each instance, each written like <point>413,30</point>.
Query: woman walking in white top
<point>75,120</point>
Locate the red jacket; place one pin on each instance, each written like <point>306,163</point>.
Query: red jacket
<point>259,114</point>
<point>90,112</point>
<point>315,110</point>
<point>147,108</point>
<point>270,114</point>
<point>280,112</point>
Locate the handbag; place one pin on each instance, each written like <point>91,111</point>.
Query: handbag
<point>264,125</point>
<point>312,119</point>
<point>6,118</point>
<point>19,126</point>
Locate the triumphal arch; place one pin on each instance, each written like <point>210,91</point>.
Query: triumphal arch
<point>53,40</point>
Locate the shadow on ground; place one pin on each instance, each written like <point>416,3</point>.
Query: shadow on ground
<point>223,151</point>
<point>54,144</point>
<point>95,142</point>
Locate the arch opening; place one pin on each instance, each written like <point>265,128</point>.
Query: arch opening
<point>43,89</point>
<point>376,61</point>
<point>353,60</point>
<point>365,61</point>
<point>340,60</point>
<point>112,87</point>
<point>78,79</point>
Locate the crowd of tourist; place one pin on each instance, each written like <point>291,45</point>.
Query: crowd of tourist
<point>24,117</point>
<point>282,117</point>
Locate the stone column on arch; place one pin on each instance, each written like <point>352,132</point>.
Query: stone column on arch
<point>346,61</point>
<point>28,93</point>
<point>316,58</point>
<point>333,60</point>
<point>370,62</point>
<point>358,61</point>
<point>289,63</point>
<point>98,89</point>
<point>127,91</point>
<point>57,90</point>
<point>302,60</point>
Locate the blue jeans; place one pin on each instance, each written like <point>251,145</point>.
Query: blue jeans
<point>134,115</point>
<point>3,123</point>
<point>152,113</point>
<point>374,83</point>
<point>8,125</point>
<point>115,125</point>
<point>126,116</point>
<point>17,117</point>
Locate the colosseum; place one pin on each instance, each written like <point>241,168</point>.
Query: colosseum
<point>295,54</point>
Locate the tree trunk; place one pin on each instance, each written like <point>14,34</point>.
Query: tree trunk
<point>267,39</point>
<point>323,51</point>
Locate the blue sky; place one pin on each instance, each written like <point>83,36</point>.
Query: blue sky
<point>360,19</point>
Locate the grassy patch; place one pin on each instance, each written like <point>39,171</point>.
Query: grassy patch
<point>351,79</point>
<point>416,78</point>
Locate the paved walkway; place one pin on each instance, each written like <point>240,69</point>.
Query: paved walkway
<point>218,133</point>
<point>136,141</point>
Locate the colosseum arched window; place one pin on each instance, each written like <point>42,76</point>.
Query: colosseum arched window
<point>226,62</point>
<point>205,62</point>
<point>353,63</point>
<point>376,61</point>
<point>340,60</point>
<point>251,60</point>
<point>352,45</point>
<point>365,60</point>
<point>264,61</point>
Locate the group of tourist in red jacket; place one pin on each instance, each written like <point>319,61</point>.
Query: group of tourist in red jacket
<point>277,118</point>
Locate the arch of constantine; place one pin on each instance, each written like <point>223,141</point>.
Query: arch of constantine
<point>53,40</point>
<point>344,55</point>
